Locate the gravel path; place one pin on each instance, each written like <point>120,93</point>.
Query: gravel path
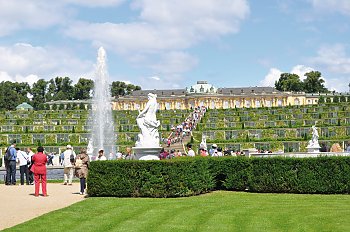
<point>18,203</point>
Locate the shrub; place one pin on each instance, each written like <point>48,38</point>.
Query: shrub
<point>295,175</point>
<point>192,176</point>
<point>170,178</point>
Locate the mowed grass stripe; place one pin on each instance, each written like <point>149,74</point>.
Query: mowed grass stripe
<point>217,211</point>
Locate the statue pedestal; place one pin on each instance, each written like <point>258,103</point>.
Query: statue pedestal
<point>313,149</point>
<point>147,153</point>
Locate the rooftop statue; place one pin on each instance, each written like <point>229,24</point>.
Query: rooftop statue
<point>148,124</point>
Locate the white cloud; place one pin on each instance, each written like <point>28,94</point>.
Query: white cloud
<point>155,78</point>
<point>274,74</point>
<point>156,39</point>
<point>342,6</point>
<point>300,70</point>
<point>166,25</point>
<point>4,76</point>
<point>95,3</point>
<point>174,62</point>
<point>24,62</point>
<point>333,58</point>
<point>21,14</point>
<point>163,30</point>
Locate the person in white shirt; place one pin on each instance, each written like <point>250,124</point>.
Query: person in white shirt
<point>68,165</point>
<point>190,151</point>
<point>23,159</point>
<point>101,155</point>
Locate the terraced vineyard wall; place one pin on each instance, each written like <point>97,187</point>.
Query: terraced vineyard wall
<point>282,128</point>
<point>55,129</point>
<point>279,128</point>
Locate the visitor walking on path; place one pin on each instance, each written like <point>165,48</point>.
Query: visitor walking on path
<point>81,169</point>
<point>39,169</point>
<point>69,158</point>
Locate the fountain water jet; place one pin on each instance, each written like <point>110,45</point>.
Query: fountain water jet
<point>102,133</point>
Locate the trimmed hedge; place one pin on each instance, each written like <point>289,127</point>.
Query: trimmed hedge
<point>193,176</point>
<point>170,178</point>
<point>327,175</point>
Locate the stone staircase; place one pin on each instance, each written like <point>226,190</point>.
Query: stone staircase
<point>178,146</point>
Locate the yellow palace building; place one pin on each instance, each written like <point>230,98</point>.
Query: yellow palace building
<point>205,94</point>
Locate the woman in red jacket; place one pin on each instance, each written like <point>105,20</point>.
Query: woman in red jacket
<point>39,169</point>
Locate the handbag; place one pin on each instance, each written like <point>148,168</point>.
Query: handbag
<point>28,161</point>
<point>78,163</point>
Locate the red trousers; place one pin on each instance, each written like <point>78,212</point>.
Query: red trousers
<point>37,183</point>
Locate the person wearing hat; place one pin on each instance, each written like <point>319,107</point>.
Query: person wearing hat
<point>203,152</point>
<point>68,164</point>
<point>101,155</point>
<point>213,149</point>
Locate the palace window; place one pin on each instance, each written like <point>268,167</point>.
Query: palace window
<point>268,103</point>
<point>248,103</point>
<point>178,105</point>
<point>225,105</point>
<point>237,104</point>
<point>279,102</point>
<point>126,106</point>
<point>296,101</point>
<point>257,103</point>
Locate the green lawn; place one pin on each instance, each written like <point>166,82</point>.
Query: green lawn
<point>217,211</point>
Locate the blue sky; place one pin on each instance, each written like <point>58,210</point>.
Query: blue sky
<point>162,44</point>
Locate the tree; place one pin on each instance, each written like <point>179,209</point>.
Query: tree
<point>120,88</point>
<point>38,92</point>
<point>83,89</point>
<point>60,88</point>
<point>13,94</point>
<point>336,99</point>
<point>321,100</point>
<point>328,100</point>
<point>289,82</point>
<point>314,83</point>
<point>342,98</point>
<point>82,106</point>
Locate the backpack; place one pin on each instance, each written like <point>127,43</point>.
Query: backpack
<point>72,158</point>
<point>8,155</point>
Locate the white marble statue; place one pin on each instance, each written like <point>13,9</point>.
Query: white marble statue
<point>314,140</point>
<point>90,148</point>
<point>203,144</point>
<point>148,124</point>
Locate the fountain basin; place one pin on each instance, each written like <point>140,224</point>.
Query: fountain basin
<point>147,153</point>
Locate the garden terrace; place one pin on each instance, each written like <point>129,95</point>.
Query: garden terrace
<point>57,128</point>
<point>286,128</point>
